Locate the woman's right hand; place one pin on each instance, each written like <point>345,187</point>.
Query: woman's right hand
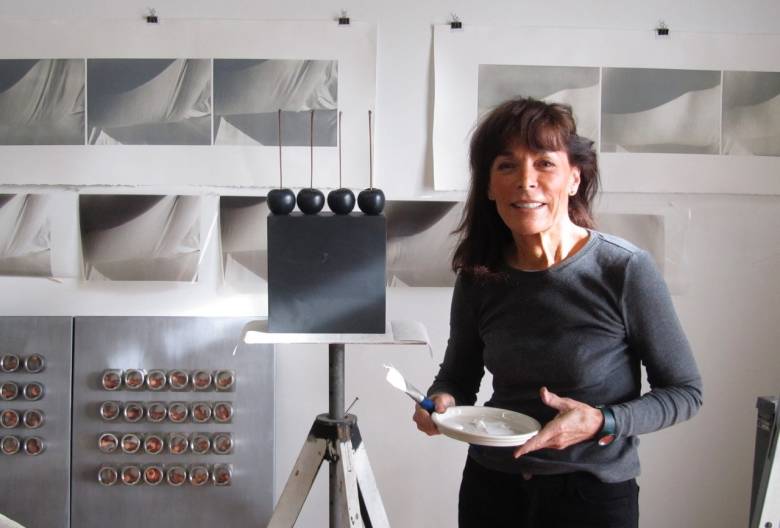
<point>423,419</point>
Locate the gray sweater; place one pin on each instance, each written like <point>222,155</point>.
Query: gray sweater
<point>581,328</point>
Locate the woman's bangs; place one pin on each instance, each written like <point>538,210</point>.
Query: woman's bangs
<point>537,134</point>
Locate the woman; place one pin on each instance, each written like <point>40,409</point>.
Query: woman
<point>562,316</point>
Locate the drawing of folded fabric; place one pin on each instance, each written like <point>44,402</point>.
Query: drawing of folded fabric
<point>260,86</point>
<point>660,110</point>
<point>140,238</point>
<point>249,93</point>
<point>149,101</point>
<point>751,113</point>
<point>687,124</point>
<point>419,242</point>
<point>243,240</point>
<point>42,102</point>
<point>25,235</point>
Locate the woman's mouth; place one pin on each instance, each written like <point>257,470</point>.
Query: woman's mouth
<point>527,205</point>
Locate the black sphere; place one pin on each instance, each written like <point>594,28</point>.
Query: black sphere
<point>341,201</point>
<point>281,201</point>
<point>371,201</point>
<point>310,201</point>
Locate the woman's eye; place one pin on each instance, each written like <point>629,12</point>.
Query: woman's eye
<point>505,165</point>
<point>546,163</point>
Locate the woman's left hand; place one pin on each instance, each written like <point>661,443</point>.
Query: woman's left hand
<point>575,423</point>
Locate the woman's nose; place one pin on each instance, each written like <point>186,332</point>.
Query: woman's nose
<point>527,178</point>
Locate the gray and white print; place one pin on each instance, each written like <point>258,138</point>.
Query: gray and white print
<point>751,113</point>
<point>140,237</point>
<point>149,101</point>
<point>659,110</point>
<point>25,235</point>
<point>248,93</point>
<point>42,102</point>
<point>244,241</point>
<point>420,242</point>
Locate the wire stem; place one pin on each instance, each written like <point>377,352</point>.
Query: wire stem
<point>311,151</point>
<point>370,153</point>
<point>279,115</point>
<point>340,185</point>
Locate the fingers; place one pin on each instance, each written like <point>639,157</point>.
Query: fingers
<point>551,399</point>
<point>552,436</point>
<point>578,424</point>
<point>424,422</point>
<point>443,401</point>
<point>422,418</point>
<point>525,448</point>
<point>540,441</point>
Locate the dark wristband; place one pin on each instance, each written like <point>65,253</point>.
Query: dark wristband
<point>609,429</point>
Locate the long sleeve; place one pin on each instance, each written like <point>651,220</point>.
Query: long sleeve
<point>657,338</point>
<point>462,369</point>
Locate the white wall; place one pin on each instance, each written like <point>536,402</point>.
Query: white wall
<point>695,475</point>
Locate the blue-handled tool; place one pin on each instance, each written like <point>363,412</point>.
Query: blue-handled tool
<point>395,379</point>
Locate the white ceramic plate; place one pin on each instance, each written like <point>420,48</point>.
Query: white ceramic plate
<point>486,426</point>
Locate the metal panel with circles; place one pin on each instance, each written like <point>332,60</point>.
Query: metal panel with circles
<point>171,427</point>
<point>35,419</point>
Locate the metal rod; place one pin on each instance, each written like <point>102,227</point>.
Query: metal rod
<point>311,150</point>
<point>279,115</point>
<point>335,412</point>
<point>336,381</point>
<point>370,153</point>
<point>340,185</point>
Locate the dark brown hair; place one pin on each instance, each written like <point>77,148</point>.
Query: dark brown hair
<point>539,126</point>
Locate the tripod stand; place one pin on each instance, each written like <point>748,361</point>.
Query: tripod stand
<point>354,497</point>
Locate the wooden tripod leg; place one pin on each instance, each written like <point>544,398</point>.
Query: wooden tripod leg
<point>368,489</point>
<point>299,483</point>
<point>349,500</point>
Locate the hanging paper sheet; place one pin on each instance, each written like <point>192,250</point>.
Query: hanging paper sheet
<point>184,103</point>
<point>677,114</point>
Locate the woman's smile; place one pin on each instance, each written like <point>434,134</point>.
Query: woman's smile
<point>528,205</point>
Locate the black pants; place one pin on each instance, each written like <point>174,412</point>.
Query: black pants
<point>492,499</point>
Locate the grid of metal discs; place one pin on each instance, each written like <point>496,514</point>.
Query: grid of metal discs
<point>20,421</point>
<point>167,410</point>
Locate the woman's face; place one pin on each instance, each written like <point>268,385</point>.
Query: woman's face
<point>532,188</point>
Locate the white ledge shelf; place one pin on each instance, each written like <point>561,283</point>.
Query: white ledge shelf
<point>399,333</point>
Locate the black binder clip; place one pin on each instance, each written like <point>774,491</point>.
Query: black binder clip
<point>343,19</point>
<point>151,17</point>
<point>455,22</point>
<point>662,30</point>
